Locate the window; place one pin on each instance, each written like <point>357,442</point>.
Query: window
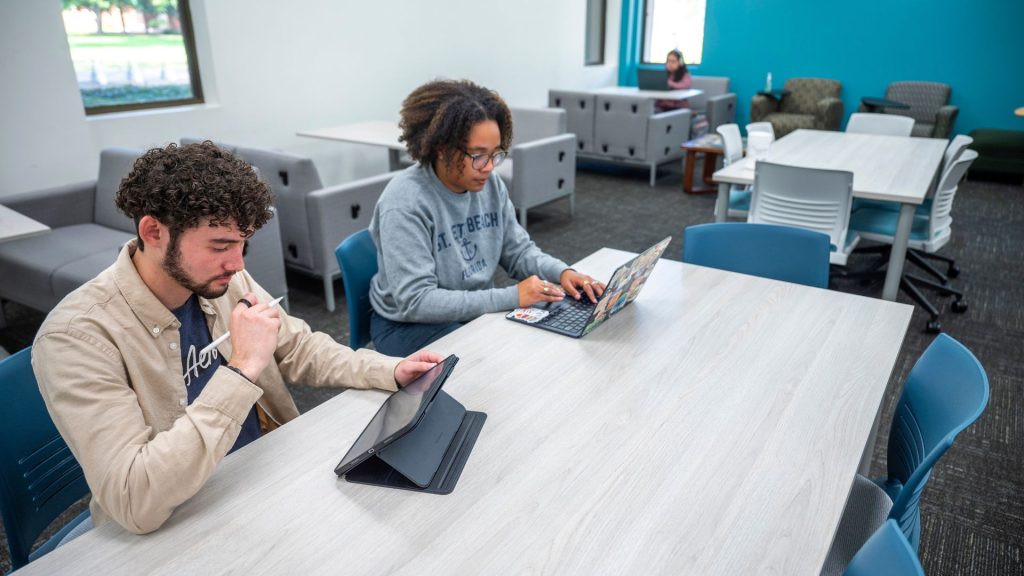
<point>673,25</point>
<point>132,54</point>
<point>594,50</point>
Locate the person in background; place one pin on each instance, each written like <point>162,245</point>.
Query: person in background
<point>149,417</point>
<point>444,225</point>
<point>679,78</point>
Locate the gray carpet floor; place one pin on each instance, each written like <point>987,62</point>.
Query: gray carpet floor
<point>972,510</point>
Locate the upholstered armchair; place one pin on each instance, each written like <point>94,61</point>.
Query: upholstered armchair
<point>810,103</point>
<point>929,107</point>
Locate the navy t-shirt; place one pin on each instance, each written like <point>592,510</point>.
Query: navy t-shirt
<point>197,372</point>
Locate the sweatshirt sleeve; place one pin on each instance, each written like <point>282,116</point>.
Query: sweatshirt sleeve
<point>520,256</point>
<point>137,480</point>
<point>411,274</point>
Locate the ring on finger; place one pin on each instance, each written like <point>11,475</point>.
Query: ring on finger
<point>246,302</point>
<point>545,290</point>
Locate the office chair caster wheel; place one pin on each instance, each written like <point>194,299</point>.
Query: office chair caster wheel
<point>934,327</point>
<point>959,306</point>
<point>953,271</point>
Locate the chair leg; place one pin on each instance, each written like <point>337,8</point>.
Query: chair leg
<point>522,217</point>
<point>907,285</point>
<point>915,257</point>
<point>654,173</point>
<point>952,270</point>
<point>572,204</point>
<point>329,292</point>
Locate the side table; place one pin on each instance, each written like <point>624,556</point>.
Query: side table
<point>711,146</point>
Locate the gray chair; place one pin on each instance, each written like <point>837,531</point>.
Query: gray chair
<point>627,130</point>
<point>579,110</point>
<point>314,219</point>
<point>716,103</point>
<point>880,124</point>
<point>929,107</point>
<point>87,232</point>
<point>542,163</point>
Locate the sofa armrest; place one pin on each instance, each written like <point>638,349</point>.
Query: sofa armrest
<point>761,106</point>
<point>543,170</point>
<point>828,114</point>
<point>720,110</point>
<point>337,212</point>
<point>665,132</point>
<point>59,206</point>
<point>944,121</point>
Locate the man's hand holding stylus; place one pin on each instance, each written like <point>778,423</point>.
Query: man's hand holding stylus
<point>254,326</point>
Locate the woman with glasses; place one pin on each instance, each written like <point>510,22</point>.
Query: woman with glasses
<point>444,225</point>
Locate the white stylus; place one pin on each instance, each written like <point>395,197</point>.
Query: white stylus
<point>220,339</point>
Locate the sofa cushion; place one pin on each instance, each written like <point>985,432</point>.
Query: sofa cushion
<point>786,123</point>
<point>115,164</point>
<point>35,260</point>
<point>711,86</point>
<point>70,276</point>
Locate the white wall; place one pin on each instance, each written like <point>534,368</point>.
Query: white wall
<point>270,71</point>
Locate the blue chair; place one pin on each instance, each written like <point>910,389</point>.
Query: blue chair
<point>886,553</point>
<point>777,252</point>
<point>357,258</point>
<point>946,391</point>
<point>39,478</point>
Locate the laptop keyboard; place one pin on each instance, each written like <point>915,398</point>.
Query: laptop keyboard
<point>572,315</point>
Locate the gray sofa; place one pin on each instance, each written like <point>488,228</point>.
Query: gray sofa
<point>716,103</point>
<point>314,219</point>
<point>87,232</point>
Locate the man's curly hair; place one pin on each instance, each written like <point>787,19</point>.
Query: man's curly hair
<point>437,118</point>
<point>181,186</point>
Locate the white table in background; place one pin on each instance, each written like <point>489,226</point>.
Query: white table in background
<point>713,427</point>
<point>893,168</point>
<point>14,225</point>
<point>373,133</point>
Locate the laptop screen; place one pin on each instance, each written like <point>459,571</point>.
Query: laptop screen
<point>626,284</point>
<point>648,79</point>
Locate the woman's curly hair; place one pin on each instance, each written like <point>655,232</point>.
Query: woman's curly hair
<point>437,118</point>
<point>182,185</point>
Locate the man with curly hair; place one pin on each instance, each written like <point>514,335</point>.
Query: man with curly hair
<point>147,416</point>
<point>444,225</point>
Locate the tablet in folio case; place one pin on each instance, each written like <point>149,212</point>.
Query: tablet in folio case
<point>419,439</point>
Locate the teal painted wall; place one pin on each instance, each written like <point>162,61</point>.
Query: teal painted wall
<point>975,46</point>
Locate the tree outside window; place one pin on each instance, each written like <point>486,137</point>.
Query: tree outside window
<point>673,25</point>
<point>132,54</point>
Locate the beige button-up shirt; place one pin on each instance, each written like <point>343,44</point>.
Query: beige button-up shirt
<point>109,368</point>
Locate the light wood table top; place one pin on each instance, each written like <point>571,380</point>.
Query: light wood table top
<point>15,225</point>
<point>374,133</point>
<point>657,94</point>
<point>711,427</point>
<point>893,168</point>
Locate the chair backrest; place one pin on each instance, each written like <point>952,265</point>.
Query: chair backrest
<point>732,143</point>
<point>884,124</point>
<point>710,86</point>
<point>924,99</point>
<point>115,164</point>
<point>291,178</point>
<point>945,392</point>
<point>940,218</point>
<point>529,124</point>
<point>579,110</point>
<point>761,127</point>
<point>357,257</point>
<point>805,93</point>
<point>620,125</point>
<point>39,477</point>
<point>886,552</point>
<point>807,198</point>
<point>185,140</point>
<point>954,150</point>
<point>777,252</point>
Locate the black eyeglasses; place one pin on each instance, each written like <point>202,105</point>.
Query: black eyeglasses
<point>480,160</point>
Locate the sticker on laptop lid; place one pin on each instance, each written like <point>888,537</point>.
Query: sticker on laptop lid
<point>528,315</point>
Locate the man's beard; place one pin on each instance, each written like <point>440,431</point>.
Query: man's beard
<point>172,266</point>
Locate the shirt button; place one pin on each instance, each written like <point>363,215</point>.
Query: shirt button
<point>174,346</point>
<point>181,402</point>
<point>156,329</point>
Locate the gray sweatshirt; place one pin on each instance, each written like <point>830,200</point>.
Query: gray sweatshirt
<point>437,251</point>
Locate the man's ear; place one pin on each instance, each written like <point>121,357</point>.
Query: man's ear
<point>153,233</point>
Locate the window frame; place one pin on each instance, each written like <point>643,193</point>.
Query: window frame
<point>189,41</point>
<point>601,40</point>
<point>642,44</point>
